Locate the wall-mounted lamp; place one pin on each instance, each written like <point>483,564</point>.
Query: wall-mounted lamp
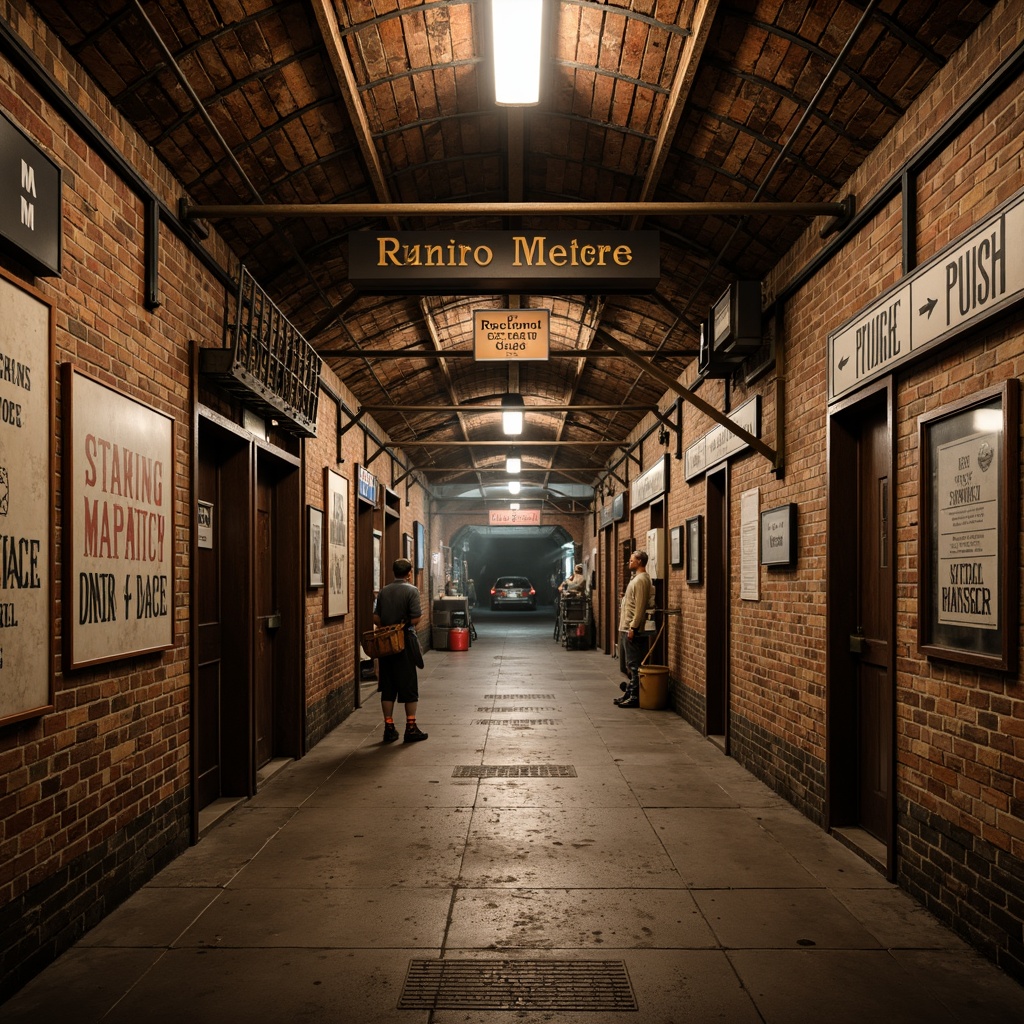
<point>663,436</point>
<point>516,44</point>
<point>513,487</point>
<point>513,462</point>
<point>512,406</point>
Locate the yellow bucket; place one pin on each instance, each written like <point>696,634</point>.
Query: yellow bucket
<point>654,687</point>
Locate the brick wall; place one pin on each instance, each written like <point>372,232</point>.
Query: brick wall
<point>95,794</point>
<point>959,743</point>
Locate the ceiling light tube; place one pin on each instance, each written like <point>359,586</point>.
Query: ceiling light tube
<point>513,462</point>
<point>516,42</point>
<point>512,406</point>
<point>513,487</point>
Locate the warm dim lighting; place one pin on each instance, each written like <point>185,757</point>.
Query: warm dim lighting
<point>512,406</point>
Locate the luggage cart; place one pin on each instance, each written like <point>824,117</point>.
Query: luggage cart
<point>575,621</point>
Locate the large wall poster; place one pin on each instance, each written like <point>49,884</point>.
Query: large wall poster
<point>26,503</point>
<point>967,599</point>
<point>118,524</point>
<point>336,498</point>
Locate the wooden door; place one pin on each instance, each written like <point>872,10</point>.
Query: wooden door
<point>860,692</point>
<point>716,590</point>
<point>268,619</point>
<point>870,644</point>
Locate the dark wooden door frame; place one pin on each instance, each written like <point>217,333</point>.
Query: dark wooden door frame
<point>717,602</point>
<point>843,439</point>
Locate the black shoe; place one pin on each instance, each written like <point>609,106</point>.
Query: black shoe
<point>413,734</point>
<point>632,701</point>
<point>390,733</point>
<point>622,699</point>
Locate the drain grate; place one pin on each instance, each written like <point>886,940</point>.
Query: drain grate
<point>519,696</point>
<point>519,709</point>
<point>594,985</point>
<point>514,771</point>
<point>516,723</point>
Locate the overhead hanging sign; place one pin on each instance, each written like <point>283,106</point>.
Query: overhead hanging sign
<point>976,277</point>
<point>513,517</point>
<point>522,334</point>
<point>30,199</point>
<point>457,262</point>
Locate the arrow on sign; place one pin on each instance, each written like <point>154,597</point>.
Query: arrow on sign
<point>843,362</point>
<point>928,307</point>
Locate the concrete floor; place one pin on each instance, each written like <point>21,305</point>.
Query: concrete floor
<point>661,862</point>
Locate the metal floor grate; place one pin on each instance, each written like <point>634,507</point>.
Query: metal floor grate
<point>519,696</point>
<point>594,985</point>
<point>518,709</point>
<point>514,771</point>
<point>516,723</point>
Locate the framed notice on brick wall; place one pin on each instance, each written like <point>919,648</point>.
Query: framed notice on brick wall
<point>968,529</point>
<point>26,503</point>
<point>118,524</point>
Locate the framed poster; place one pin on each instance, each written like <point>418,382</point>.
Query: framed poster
<point>778,537</point>
<point>418,544</point>
<point>968,529</point>
<point>407,548</point>
<point>315,546</point>
<point>675,543</point>
<point>378,554</point>
<point>118,526</point>
<point>26,503</point>
<point>336,564</point>
<point>695,550</point>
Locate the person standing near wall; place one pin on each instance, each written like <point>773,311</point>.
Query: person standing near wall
<point>399,601</point>
<point>638,597</point>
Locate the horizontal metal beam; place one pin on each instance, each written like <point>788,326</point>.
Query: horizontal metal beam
<point>509,442</point>
<point>205,211</point>
<point>468,353</point>
<point>532,470</point>
<point>578,407</point>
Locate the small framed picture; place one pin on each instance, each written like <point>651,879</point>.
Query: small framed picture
<point>407,547</point>
<point>695,550</point>
<point>315,545</point>
<point>675,540</point>
<point>778,537</point>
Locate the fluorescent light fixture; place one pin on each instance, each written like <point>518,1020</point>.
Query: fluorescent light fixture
<point>513,487</point>
<point>513,462</point>
<point>514,506</point>
<point>516,26</point>
<point>512,406</point>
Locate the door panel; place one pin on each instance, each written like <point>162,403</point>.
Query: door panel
<point>873,656</point>
<point>267,620</point>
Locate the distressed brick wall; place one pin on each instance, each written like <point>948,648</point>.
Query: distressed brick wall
<point>331,643</point>
<point>959,741</point>
<point>94,795</point>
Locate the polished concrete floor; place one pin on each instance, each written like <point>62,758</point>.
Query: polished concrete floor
<point>565,861</point>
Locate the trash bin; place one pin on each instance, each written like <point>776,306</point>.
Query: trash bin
<point>654,687</point>
<point>458,639</point>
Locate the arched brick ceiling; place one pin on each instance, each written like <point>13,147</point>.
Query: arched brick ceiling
<point>386,101</point>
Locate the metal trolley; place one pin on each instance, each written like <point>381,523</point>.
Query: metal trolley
<point>574,616</point>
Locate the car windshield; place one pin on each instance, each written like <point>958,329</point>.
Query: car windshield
<point>513,581</point>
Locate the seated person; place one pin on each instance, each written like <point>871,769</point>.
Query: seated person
<point>574,584</point>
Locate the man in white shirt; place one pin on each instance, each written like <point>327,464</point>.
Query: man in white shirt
<point>636,601</point>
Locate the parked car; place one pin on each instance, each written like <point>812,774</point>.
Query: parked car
<point>513,592</point>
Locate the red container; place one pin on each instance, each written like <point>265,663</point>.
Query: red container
<point>458,639</point>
